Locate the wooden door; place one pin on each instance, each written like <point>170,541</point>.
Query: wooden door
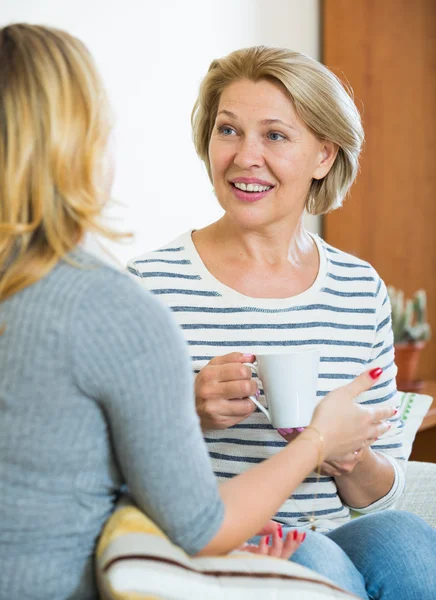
<point>386,50</point>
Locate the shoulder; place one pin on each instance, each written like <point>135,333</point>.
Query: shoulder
<point>348,272</point>
<point>168,257</point>
<point>106,294</point>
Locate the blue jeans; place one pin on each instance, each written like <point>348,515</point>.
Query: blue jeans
<point>389,555</point>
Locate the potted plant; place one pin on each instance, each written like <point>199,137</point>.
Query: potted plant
<point>411,331</point>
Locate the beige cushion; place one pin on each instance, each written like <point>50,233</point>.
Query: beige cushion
<point>136,561</point>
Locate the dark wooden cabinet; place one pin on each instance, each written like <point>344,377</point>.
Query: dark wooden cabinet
<point>424,446</point>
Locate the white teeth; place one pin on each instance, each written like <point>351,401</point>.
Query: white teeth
<point>250,187</point>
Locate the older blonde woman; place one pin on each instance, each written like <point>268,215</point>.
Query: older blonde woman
<point>86,401</point>
<point>279,134</point>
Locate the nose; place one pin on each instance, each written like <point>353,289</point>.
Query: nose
<point>249,153</point>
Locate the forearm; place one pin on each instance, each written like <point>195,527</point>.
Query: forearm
<point>253,497</point>
<point>370,480</point>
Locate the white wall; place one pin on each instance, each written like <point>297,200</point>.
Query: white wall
<point>152,56</point>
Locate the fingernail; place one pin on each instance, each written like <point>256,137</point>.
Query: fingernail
<point>267,540</point>
<point>375,373</point>
<point>300,429</point>
<point>303,537</point>
<point>285,431</point>
<point>248,355</point>
<point>280,530</point>
<point>257,394</point>
<point>295,535</point>
<point>395,412</point>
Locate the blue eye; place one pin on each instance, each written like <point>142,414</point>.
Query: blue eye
<point>226,130</point>
<point>275,137</point>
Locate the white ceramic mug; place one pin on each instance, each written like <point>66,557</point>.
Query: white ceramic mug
<point>289,381</point>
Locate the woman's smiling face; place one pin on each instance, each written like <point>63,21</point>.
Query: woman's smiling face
<point>263,157</point>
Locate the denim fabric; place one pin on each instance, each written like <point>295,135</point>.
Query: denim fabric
<point>389,555</point>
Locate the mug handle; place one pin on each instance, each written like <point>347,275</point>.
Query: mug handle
<point>254,399</point>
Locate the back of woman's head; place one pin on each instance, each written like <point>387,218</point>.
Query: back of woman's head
<point>54,128</point>
<point>319,98</point>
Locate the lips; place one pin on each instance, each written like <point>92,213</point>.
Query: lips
<point>246,196</point>
<point>252,180</point>
<point>250,189</point>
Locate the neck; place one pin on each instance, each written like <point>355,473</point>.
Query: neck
<point>273,245</point>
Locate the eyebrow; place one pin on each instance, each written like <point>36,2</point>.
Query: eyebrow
<point>263,122</point>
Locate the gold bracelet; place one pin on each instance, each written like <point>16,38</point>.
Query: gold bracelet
<point>318,469</point>
<point>320,445</point>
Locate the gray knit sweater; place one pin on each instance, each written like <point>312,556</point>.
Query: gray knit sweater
<point>95,392</point>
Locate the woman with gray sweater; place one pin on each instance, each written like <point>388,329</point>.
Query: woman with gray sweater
<point>96,391</point>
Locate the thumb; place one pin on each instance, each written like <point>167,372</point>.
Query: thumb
<point>363,382</point>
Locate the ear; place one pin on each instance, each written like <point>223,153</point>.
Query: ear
<point>327,155</point>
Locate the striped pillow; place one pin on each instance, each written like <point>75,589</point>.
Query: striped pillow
<point>136,561</point>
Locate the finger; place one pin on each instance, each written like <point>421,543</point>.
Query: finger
<point>271,528</point>
<point>232,372</point>
<point>263,547</point>
<point>363,382</point>
<point>380,413</point>
<point>237,408</point>
<point>230,390</point>
<point>380,428</point>
<point>276,547</point>
<point>288,436</point>
<point>277,542</point>
<point>292,543</point>
<point>232,357</point>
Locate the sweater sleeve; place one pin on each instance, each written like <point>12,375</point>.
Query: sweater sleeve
<point>390,444</point>
<point>131,358</point>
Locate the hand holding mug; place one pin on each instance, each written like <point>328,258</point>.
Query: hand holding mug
<point>222,389</point>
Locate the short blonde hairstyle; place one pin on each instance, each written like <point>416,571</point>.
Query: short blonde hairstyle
<point>319,98</point>
<point>54,129</point>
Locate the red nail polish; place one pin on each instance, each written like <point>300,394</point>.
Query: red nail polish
<point>280,530</point>
<point>295,535</point>
<point>375,373</point>
<point>396,412</point>
<point>268,539</point>
<point>303,537</point>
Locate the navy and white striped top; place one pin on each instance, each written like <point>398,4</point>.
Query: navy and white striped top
<point>345,313</point>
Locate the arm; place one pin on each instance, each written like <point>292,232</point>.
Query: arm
<point>376,480</point>
<point>131,358</point>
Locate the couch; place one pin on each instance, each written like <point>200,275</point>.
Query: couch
<point>136,561</point>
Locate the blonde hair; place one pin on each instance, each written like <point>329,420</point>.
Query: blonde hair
<point>54,129</point>
<point>319,98</point>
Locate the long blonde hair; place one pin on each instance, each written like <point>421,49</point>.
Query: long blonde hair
<point>54,130</point>
<point>319,98</point>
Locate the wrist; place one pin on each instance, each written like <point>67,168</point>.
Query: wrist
<point>312,435</point>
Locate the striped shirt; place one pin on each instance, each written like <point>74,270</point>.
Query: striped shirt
<point>345,314</point>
